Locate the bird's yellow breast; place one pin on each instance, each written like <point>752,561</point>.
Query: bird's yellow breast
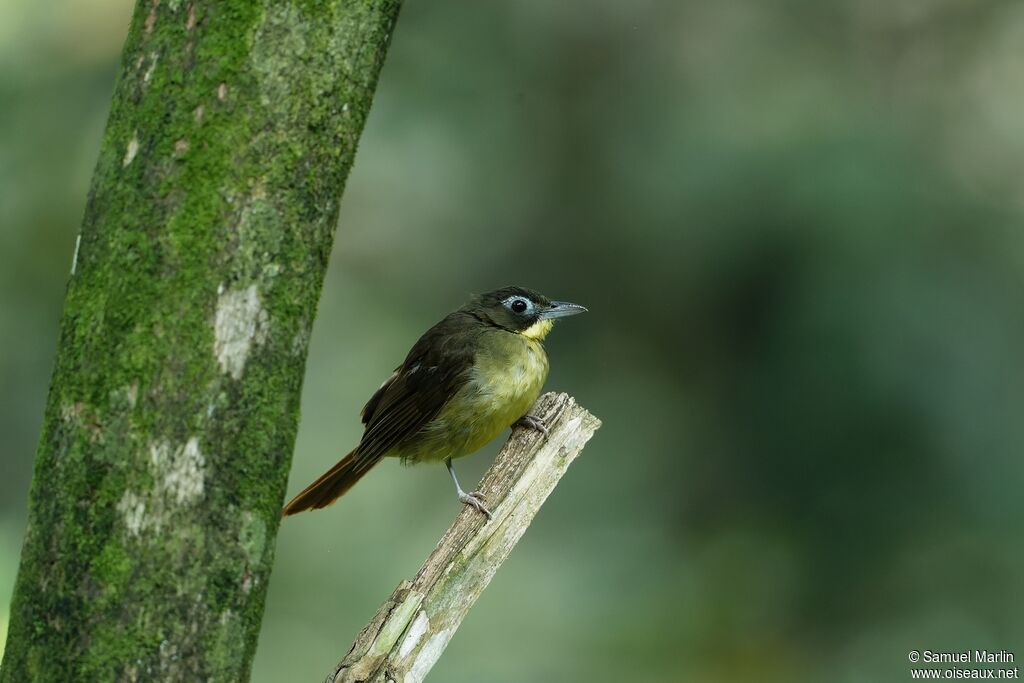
<point>503,383</point>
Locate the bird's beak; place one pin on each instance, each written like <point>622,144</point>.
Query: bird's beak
<point>561,309</point>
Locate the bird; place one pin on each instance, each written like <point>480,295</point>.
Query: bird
<point>473,374</point>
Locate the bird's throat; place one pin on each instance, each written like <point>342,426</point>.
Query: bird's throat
<point>538,330</point>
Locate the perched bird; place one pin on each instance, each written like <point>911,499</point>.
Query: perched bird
<point>468,377</point>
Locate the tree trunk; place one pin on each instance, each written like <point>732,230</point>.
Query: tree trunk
<point>174,402</point>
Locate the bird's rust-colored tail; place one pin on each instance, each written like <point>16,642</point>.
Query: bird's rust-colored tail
<point>328,488</point>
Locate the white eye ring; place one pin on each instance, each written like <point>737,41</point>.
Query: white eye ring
<point>518,305</point>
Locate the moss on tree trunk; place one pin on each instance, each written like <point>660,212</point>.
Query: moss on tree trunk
<point>174,402</point>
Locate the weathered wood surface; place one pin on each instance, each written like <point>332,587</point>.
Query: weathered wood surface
<point>412,628</point>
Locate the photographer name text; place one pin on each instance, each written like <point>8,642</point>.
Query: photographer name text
<point>966,657</point>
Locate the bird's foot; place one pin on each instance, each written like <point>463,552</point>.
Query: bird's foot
<point>476,500</point>
<point>532,422</point>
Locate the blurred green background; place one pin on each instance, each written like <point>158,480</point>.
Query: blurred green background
<point>798,226</point>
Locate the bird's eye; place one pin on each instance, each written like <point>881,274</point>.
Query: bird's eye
<point>519,306</point>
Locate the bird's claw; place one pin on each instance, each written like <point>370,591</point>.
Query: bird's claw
<point>476,500</point>
<point>532,422</point>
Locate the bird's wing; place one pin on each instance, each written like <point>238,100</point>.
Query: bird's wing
<point>371,406</point>
<point>432,372</point>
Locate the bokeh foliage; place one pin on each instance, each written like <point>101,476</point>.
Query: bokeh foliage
<point>798,228</point>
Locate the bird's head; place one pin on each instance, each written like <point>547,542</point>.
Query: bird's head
<point>522,310</point>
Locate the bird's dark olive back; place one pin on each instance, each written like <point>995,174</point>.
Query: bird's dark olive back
<point>434,370</point>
